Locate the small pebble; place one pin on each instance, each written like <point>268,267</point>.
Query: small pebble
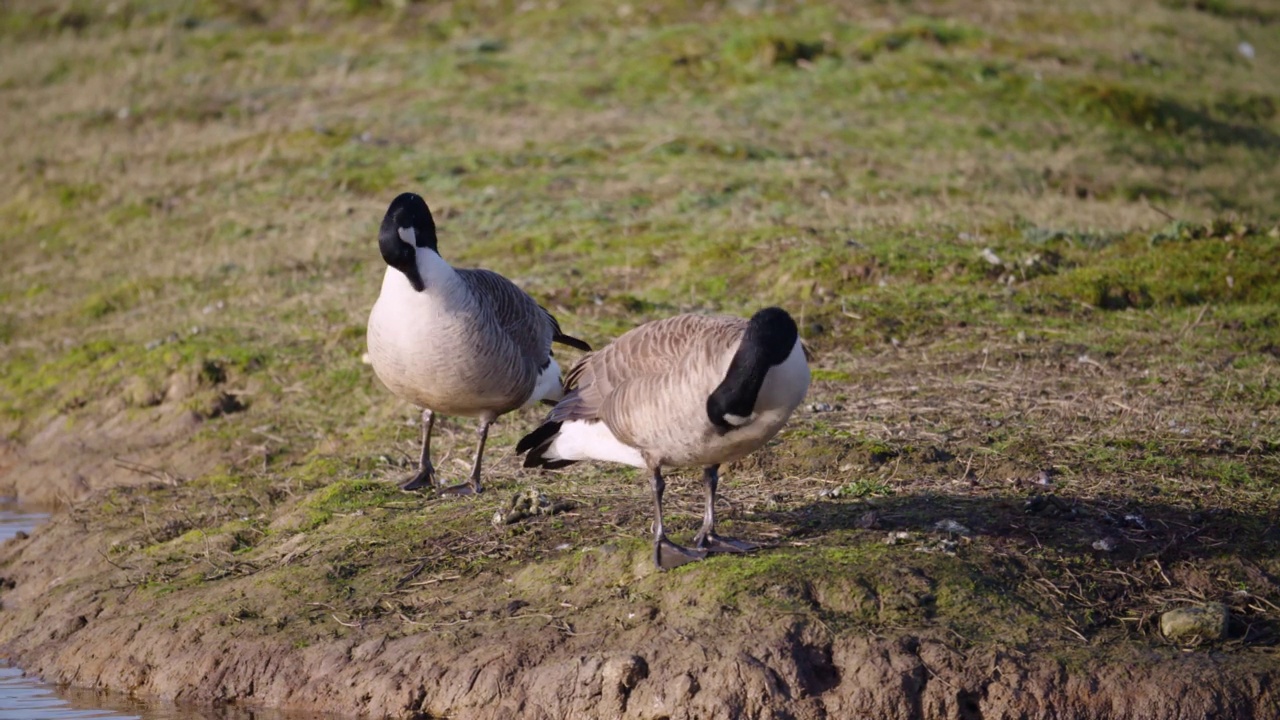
<point>897,537</point>
<point>820,407</point>
<point>946,547</point>
<point>1246,49</point>
<point>1106,544</point>
<point>1137,521</point>
<point>1192,622</point>
<point>953,527</point>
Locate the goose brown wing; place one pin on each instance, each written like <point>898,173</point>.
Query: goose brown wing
<point>624,382</point>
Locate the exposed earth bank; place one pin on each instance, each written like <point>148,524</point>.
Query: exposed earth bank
<point>598,642</point>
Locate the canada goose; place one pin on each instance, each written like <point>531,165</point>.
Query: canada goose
<point>454,341</point>
<point>684,391</point>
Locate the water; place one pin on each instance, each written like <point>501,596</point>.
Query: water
<point>27,698</point>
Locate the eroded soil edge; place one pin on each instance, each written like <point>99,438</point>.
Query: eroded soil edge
<point>72,616</point>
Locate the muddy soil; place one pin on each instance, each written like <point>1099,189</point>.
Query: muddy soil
<point>614,662</point>
<point>74,615</point>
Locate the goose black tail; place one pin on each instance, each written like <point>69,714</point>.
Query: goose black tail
<point>571,341</point>
<point>536,444</point>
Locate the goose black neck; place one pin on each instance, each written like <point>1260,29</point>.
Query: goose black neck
<point>407,229</point>
<point>768,341</point>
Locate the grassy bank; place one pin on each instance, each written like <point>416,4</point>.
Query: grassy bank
<point>1034,248</point>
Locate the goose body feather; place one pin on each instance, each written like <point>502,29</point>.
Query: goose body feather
<point>455,341</point>
<point>471,343</point>
<point>642,399</point>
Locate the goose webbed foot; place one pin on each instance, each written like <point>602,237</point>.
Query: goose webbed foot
<point>713,543</point>
<point>668,555</point>
<point>425,478</point>
<point>463,489</point>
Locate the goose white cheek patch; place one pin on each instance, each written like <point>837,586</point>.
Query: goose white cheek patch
<point>409,236</point>
<point>738,420</point>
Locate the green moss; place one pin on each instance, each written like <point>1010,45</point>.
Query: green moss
<point>1185,265</point>
<point>941,33</point>
<point>822,374</point>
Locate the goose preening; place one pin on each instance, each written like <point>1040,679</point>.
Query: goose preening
<point>690,390</point>
<point>455,341</point>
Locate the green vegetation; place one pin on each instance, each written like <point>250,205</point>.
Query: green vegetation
<point>1033,249</point>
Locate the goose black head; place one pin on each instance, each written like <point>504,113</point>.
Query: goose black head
<point>407,228</point>
<point>770,337</point>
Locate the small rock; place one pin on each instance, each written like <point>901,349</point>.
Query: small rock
<point>1044,477</point>
<point>946,547</point>
<point>820,407</point>
<point>897,537</point>
<point>951,526</point>
<point>625,673</point>
<point>1136,520</point>
<point>989,255</point>
<point>1246,50</point>
<point>1192,622</point>
<point>1106,544</point>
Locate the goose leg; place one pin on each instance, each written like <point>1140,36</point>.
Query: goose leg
<point>707,540</point>
<point>666,554</point>
<point>473,487</point>
<point>426,476</point>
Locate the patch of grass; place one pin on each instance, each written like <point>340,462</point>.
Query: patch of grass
<point>939,32</point>
<point>945,195</point>
<point>1136,108</point>
<point>1182,265</point>
<point>1254,10</point>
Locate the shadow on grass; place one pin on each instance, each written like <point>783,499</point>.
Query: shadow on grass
<point>1138,530</point>
<point>1100,566</point>
<point>1155,113</point>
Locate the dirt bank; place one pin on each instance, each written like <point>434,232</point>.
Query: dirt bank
<point>586,634</point>
<point>320,586</point>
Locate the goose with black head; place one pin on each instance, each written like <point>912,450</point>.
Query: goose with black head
<point>690,390</point>
<point>455,341</point>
